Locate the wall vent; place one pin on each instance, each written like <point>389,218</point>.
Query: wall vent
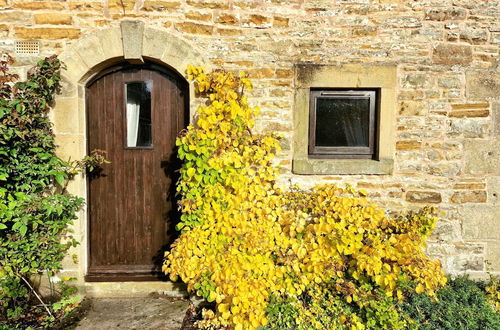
<point>27,47</point>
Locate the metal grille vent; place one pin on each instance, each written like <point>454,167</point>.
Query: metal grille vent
<point>28,47</point>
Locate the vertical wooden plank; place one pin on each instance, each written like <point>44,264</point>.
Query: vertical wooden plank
<point>115,105</point>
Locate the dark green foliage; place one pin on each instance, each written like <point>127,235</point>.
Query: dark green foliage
<point>281,313</point>
<point>35,210</point>
<point>460,305</point>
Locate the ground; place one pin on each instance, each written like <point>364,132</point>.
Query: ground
<point>135,313</point>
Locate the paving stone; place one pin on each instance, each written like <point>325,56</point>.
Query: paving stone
<point>135,313</point>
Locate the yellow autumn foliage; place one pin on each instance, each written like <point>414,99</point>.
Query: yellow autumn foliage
<point>244,238</point>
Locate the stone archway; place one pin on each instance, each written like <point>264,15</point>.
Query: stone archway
<point>131,41</point>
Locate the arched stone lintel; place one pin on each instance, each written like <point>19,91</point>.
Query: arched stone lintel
<point>106,47</point>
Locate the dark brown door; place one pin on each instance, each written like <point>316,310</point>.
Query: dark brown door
<point>134,114</point>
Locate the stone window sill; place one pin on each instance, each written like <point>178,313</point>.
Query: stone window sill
<point>342,166</point>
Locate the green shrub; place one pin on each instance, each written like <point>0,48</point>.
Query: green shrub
<point>35,210</point>
<point>461,304</point>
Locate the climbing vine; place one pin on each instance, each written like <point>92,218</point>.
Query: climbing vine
<point>250,246</point>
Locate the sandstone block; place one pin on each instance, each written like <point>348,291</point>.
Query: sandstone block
<point>70,146</point>
<point>444,169</point>
<point>412,108</point>
<point>258,21</point>
<point>444,14</point>
<point>85,5</point>
<point>466,263</point>
<point>482,157</point>
<point>469,186</point>
<point>47,33</point>
<point>366,31</point>
<point>111,42</point>
<point>197,16</point>
<point>160,5</point>
<point>35,5</point>
<point>469,110</point>
<point>416,80</point>
<point>483,85</point>
<point>4,30</point>
<point>493,255</point>
<point>90,51</point>
<point>211,5</point>
<point>14,16</point>
<point>284,73</point>
<point>280,21</point>
<point>473,196</point>
<point>229,32</point>
<point>260,73</point>
<point>496,118</point>
<point>448,231</point>
<point>64,116</point>
<point>451,54</point>
<point>423,197</point>
<point>132,35</point>
<point>318,4</point>
<point>122,6</point>
<point>227,19</point>
<point>495,38</point>
<point>480,222</point>
<point>194,28</point>
<point>449,82</point>
<point>408,145</point>
<point>155,43</point>
<point>470,114</point>
<point>276,127</point>
<point>53,18</point>
<point>474,36</point>
<point>468,127</point>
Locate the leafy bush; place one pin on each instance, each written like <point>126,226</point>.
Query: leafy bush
<point>35,210</point>
<point>460,305</point>
<point>265,254</point>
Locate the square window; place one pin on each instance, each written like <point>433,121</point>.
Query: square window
<point>342,123</point>
<point>344,119</point>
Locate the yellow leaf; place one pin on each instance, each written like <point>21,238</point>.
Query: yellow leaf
<point>191,171</point>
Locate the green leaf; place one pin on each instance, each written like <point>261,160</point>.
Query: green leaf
<point>17,225</point>
<point>59,178</point>
<point>2,226</point>
<point>23,229</point>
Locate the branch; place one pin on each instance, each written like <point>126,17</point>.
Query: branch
<point>36,294</point>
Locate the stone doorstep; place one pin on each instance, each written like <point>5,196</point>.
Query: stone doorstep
<point>133,289</point>
<point>154,312</point>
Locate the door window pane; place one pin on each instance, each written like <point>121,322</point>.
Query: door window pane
<point>138,111</point>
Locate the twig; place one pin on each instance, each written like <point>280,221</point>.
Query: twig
<point>36,294</point>
<point>123,7</point>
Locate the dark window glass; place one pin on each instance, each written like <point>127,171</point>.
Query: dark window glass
<point>342,122</point>
<point>138,112</point>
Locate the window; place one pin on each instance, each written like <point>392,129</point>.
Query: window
<point>138,114</point>
<point>344,119</point>
<point>342,123</point>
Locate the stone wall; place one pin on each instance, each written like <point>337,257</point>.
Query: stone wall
<point>447,120</point>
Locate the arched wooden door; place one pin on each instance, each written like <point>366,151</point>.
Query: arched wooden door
<point>134,113</point>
